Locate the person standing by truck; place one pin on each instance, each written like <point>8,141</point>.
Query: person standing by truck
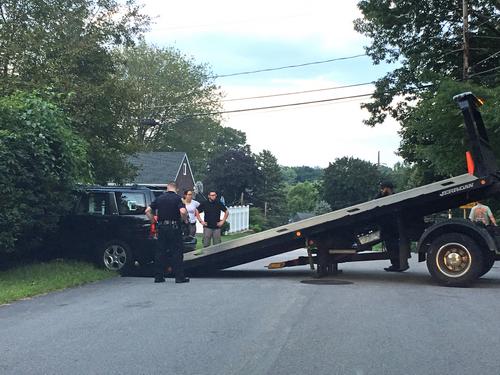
<point>390,233</point>
<point>170,211</point>
<point>191,206</point>
<point>213,223</point>
<point>481,213</point>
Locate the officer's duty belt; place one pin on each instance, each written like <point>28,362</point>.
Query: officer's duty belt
<point>168,222</point>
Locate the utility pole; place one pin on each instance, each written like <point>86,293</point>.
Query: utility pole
<point>465,6</point>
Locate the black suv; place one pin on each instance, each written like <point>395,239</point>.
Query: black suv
<point>109,224</point>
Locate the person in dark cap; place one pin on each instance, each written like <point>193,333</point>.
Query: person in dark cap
<point>170,210</point>
<point>390,233</point>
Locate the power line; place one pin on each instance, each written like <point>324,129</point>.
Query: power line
<point>487,58</point>
<point>299,92</point>
<point>279,105</point>
<point>287,66</point>
<point>485,71</point>
<point>302,103</point>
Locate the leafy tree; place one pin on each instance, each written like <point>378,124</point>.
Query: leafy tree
<point>65,46</point>
<point>434,137</point>
<point>302,197</point>
<point>173,90</point>
<point>425,39</point>
<point>301,174</point>
<point>234,174</point>
<point>270,190</point>
<point>41,160</point>
<point>349,181</point>
<point>322,207</point>
<point>289,175</point>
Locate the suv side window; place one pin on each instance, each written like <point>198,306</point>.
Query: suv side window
<point>131,203</point>
<point>93,203</point>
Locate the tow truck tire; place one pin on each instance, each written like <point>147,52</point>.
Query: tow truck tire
<point>489,261</point>
<point>115,256</point>
<point>454,259</point>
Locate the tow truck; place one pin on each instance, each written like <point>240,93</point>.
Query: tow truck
<point>457,251</point>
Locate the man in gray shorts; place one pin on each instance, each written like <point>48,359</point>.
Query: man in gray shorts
<point>212,223</point>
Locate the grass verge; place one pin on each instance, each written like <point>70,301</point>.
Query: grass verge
<point>39,278</point>
<point>227,237</point>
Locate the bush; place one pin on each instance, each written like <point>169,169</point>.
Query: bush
<point>225,228</point>
<point>40,162</point>
<point>257,219</point>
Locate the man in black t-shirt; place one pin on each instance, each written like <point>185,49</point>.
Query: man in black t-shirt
<point>212,222</point>
<point>390,233</point>
<point>170,210</point>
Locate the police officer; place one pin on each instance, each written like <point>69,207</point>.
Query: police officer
<point>170,210</point>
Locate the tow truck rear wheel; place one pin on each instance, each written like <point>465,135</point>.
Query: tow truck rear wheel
<point>454,259</point>
<point>489,261</point>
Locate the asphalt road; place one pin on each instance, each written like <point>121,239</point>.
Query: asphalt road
<point>249,320</point>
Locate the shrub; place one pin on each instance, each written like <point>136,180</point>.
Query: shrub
<point>40,162</point>
<point>257,219</point>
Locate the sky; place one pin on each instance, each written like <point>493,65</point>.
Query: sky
<point>234,37</point>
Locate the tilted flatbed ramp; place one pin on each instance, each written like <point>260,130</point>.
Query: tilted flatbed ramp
<point>424,200</point>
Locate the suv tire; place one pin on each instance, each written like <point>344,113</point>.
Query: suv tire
<point>116,255</point>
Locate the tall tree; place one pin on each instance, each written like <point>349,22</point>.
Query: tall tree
<point>302,197</point>
<point>434,136</point>
<point>349,181</point>
<point>234,174</point>
<point>426,40</point>
<point>174,104</point>
<point>65,46</point>
<point>270,190</point>
<point>170,88</point>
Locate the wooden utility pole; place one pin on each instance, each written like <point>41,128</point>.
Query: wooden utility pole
<point>465,6</point>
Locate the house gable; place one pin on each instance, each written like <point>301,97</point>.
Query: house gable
<point>159,168</point>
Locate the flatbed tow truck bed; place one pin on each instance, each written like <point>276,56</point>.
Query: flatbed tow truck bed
<point>467,252</point>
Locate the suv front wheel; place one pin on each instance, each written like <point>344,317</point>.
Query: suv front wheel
<point>116,256</point>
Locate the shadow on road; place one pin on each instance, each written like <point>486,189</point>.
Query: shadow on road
<point>356,276</point>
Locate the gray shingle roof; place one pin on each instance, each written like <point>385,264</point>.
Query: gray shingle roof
<point>156,167</point>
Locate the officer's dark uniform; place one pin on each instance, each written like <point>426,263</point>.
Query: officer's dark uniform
<point>170,244</point>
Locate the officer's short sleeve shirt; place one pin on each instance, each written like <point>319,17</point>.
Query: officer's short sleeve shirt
<point>168,205</point>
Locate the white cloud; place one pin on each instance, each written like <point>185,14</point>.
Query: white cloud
<point>328,23</point>
<point>313,134</point>
<point>304,135</point>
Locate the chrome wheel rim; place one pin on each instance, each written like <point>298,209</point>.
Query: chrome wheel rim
<point>115,257</point>
<point>453,260</point>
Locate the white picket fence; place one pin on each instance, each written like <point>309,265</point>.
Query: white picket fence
<point>238,219</point>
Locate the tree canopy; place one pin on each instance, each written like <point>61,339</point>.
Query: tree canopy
<point>425,39</point>
<point>41,160</point>
<point>349,181</point>
<point>65,47</point>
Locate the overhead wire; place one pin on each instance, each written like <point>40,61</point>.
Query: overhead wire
<point>298,92</point>
<point>287,66</point>
<point>485,71</point>
<point>286,105</point>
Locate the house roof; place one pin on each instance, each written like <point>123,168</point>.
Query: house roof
<point>156,167</point>
<point>301,216</point>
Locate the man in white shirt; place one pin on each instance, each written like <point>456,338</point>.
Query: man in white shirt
<point>482,213</point>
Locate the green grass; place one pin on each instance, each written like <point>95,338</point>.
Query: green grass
<point>228,237</point>
<point>39,278</point>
